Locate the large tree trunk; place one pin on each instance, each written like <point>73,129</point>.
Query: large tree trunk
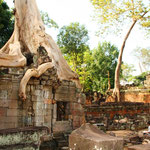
<point>116,92</point>
<point>29,37</point>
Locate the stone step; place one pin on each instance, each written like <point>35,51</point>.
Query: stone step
<point>62,143</point>
<point>58,134</point>
<point>58,138</point>
<point>61,136</point>
<point>62,140</point>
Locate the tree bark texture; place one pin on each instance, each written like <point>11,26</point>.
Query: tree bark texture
<point>29,37</point>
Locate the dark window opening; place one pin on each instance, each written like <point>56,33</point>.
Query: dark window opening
<point>62,111</point>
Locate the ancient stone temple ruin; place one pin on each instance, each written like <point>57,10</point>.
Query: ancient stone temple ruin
<point>44,105</point>
<point>37,86</point>
<point>134,93</point>
<point>132,113</point>
<point>60,109</point>
<point>40,96</point>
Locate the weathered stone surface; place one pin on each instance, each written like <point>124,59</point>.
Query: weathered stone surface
<point>77,114</point>
<point>112,114</point>
<point>136,96</point>
<point>62,126</point>
<point>3,94</point>
<point>132,93</point>
<point>49,145</point>
<point>41,93</point>
<point>89,137</point>
<point>22,138</point>
<point>12,112</point>
<point>139,147</point>
<point>129,137</point>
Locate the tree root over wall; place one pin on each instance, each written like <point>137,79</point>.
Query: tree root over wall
<point>28,37</point>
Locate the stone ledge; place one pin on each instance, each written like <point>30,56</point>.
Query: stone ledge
<point>22,136</point>
<point>24,129</point>
<point>31,146</point>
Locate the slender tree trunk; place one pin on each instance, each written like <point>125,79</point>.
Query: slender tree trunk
<point>109,85</point>
<point>116,92</point>
<point>140,67</point>
<point>29,37</point>
<point>144,67</point>
<point>74,63</point>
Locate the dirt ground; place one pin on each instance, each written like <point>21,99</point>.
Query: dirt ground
<point>133,140</point>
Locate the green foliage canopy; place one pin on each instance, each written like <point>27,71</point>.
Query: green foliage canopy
<point>6,23</point>
<point>127,71</point>
<point>114,13</point>
<point>84,72</point>
<point>139,79</point>
<point>72,40</point>
<point>48,21</point>
<point>104,60</point>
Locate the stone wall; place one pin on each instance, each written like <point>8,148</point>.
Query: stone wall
<point>119,116</point>
<point>139,95</point>
<point>130,93</point>
<point>10,114</point>
<point>135,94</point>
<point>40,107</point>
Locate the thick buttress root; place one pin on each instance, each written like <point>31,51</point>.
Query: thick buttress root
<point>32,73</point>
<point>116,94</point>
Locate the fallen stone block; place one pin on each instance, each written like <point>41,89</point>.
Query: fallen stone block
<point>89,137</point>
